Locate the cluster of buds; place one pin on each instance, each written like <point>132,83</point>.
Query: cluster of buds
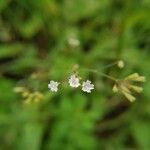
<point>74,82</point>
<point>126,86</point>
<point>29,96</point>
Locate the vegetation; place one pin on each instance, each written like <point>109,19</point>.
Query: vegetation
<point>43,40</point>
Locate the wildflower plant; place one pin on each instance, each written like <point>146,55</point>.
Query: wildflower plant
<point>125,86</point>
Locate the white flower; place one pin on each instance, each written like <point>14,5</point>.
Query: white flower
<point>87,86</point>
<point>74,42</point>
<point>74,81</point>
<point>53,86</point>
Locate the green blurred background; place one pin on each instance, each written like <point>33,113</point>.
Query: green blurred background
<point>41,40</point>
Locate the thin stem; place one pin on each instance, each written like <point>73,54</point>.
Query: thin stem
<point>109,65</point>
<point>100,73</point>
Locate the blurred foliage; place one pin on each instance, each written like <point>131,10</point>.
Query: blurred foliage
<point>35,48</point>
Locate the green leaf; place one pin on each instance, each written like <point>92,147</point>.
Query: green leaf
<point>7,51</point>
<point>141,132</point>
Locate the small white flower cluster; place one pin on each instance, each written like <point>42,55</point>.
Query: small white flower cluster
<point>74,82</point>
